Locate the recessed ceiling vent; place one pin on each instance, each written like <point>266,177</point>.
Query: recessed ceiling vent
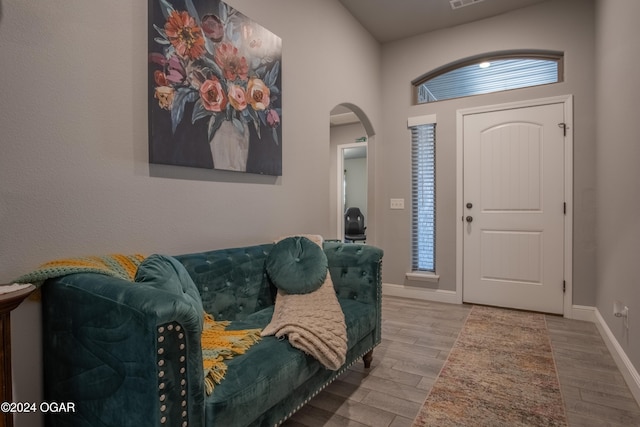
<point>457,4</point>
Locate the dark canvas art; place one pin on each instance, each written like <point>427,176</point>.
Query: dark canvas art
<point>215,98</point>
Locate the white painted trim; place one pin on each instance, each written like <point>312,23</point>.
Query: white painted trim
<point>627,369</point>
<point>567,101</point>
<point>568,198</point>
<point>516,104</point>
<point>413,292</point>
<point>421,120</point>
<point>582,312</point>
<point>423,277</point>
<point>459,202</point>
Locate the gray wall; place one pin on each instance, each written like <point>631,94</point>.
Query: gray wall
<point>74,176</point>
<point>563,25</point>
<point>617,171</point>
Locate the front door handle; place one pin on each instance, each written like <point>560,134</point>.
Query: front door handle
<point>469,218</point>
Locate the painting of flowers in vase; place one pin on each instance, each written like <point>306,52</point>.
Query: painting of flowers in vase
<point>215,98</point>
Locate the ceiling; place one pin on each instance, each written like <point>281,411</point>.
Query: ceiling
<point>342,115</point>
<point>390,20</point>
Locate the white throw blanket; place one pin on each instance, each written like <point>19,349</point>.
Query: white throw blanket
<point>313,322</point>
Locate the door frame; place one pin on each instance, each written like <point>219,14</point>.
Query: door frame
<point>567,101</point>
<point>339,182</point>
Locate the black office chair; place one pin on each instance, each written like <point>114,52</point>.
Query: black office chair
<point>354,229</point>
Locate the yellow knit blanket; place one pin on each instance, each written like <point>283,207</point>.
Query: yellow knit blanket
<point>218,344</point>
<point>117,265</point>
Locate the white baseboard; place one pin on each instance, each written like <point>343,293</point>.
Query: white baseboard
<point>627,369</point>
<point>427,294</point>
<point>582,312</point>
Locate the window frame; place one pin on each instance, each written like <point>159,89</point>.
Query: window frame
<point>416,272</point>
<point>487,57</point>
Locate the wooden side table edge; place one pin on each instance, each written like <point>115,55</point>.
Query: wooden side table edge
<point>8,302</point>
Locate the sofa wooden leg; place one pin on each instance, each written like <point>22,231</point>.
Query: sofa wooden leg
<point>367,358</point>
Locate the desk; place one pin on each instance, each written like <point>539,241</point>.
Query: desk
<point>8,302</point>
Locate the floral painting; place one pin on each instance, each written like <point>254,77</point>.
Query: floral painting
<point>215,98</point>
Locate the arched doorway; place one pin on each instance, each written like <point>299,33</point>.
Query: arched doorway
<point>351,183</point>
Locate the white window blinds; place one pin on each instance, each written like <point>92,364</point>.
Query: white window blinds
<point>423,195</point>
<point>490,73</point>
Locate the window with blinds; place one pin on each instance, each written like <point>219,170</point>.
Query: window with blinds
<point>487,74</point>
<point>423,196</point>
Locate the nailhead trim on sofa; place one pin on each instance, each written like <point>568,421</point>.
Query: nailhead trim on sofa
<point>172,356</point>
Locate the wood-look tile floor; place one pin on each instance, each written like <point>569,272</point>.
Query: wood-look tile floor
<point>416,339</point>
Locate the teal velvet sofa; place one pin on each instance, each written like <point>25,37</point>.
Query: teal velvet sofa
<point>129,354</point>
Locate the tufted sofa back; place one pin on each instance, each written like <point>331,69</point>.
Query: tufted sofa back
<point>233,283</point>
<point>355,270</point>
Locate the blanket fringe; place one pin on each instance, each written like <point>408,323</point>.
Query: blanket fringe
<point>219,344</point>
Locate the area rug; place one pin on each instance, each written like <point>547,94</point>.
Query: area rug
<point>500,372</point>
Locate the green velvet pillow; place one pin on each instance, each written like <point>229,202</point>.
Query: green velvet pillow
<point>296,265</point>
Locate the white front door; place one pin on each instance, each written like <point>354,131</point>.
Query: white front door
<point>514,208</point>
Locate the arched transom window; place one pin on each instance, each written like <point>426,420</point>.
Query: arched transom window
<point>489,73</point>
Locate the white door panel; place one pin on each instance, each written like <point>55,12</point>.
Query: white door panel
<point>514,221</point>
<point>510,167</point>
<point>513,256</point>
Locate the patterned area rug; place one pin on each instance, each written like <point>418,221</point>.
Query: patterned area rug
<point>500,372</point>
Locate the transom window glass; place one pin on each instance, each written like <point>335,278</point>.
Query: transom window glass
<point>489,74</point>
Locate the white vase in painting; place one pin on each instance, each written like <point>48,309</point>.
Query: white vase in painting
<point>230,147</point>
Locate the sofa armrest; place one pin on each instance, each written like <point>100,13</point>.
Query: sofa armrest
<point>356,272</point>
<point>126,354</point>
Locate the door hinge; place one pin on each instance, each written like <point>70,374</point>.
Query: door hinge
<point>564,208</point>
<point>564,286</point>
<point>564,128</point>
